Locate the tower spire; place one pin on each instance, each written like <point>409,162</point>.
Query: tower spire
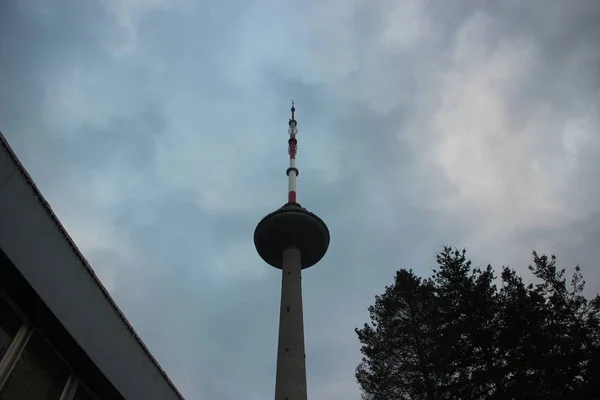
<point>292,171</point>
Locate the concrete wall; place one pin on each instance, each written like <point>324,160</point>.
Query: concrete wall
<point>42,251</point>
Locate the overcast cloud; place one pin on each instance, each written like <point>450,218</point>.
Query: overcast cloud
<point>157,132</point>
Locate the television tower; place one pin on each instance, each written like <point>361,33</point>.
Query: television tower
<point>291,239</point>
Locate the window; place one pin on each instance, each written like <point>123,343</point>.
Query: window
<point>82,394</point>
<point>39,374</point>
<point>9,325</point>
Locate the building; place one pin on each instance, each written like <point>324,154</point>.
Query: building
<point>291,239</point>
<point>61,335</point>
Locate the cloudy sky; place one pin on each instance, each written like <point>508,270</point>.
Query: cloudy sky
<point>157,131</point>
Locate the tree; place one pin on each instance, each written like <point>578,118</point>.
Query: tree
<point>456,335</point>
<point>463,314</point>
<point>572,330</point>
<point>396,362</point>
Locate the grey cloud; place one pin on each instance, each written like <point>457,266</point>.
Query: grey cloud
<point>193,99</point>
<point>175,268</point>
<point>128,142</point>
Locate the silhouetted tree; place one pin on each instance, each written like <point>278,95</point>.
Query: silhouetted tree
<point>456,335</point>
<point>396,364</point>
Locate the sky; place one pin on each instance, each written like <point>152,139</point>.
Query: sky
<point>157,131</point>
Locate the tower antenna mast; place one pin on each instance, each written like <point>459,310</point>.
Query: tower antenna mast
<point>292,171</point>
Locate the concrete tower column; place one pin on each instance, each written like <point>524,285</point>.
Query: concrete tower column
<point>291,366</point>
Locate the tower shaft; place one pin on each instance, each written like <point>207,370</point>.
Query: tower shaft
<point>290,381</point>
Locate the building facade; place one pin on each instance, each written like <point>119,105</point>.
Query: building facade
<point>61,335</point>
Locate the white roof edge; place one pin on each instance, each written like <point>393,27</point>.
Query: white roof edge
<point>21,169</point>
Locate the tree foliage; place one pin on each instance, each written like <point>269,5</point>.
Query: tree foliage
<point>456,335</point>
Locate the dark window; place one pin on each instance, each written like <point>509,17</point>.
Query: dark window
<point>82,394</point>
<point>39,374</point>
<point>288,309</point>
<point>9,325</point>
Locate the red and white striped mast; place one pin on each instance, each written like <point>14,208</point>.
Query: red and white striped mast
<point>292,171</point>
